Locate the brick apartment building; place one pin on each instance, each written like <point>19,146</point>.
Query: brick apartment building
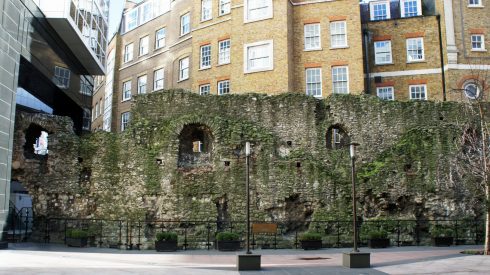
<point>426,50</point>
<point>398,50</point>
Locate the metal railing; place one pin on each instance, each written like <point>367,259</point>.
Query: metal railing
<point>19,223</point>
<point>198,234</point>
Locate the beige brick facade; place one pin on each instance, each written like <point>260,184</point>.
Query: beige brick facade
<point>459,61</point>
<point>282,30</point>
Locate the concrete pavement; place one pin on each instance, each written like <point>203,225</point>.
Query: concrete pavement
<point>28,258</point>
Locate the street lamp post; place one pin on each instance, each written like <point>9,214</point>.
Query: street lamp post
<point>355,259</point>
<point>248,261</point>
<point>354,207</point>
<point>247,154</point>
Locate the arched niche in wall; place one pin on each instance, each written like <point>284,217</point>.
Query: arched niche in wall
<point>195,145</point>
<point>336,137</point>
<point>32,133</point>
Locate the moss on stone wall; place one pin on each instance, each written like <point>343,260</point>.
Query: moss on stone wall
<point>403,163</point>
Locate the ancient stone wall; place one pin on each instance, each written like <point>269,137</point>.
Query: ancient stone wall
<point>182,158</point>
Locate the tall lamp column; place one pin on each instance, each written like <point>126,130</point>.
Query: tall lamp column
<point>354,195</point>
<point>247,154</point>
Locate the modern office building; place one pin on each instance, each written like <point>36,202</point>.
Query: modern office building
<point>49,51</point>
<point>229,47</point>
<point>426,49</point>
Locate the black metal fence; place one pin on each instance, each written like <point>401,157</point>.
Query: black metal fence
<point>202,234</point>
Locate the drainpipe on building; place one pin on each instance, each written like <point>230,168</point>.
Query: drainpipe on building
<point>438,17</point>
<point>365,33</point>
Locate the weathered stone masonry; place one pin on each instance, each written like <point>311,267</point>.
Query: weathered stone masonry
<point>150,171</point>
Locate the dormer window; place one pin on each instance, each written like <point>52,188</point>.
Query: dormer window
<point>379,10</point>
<point>410,8</point>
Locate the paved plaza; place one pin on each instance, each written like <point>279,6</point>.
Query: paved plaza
<point>27,258</point>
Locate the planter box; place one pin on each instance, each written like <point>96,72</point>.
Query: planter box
<point>356,260</point>
<point>248,262</point>
<point>166,246</point>
<point>76,242</point>
<point>379,243</point>
<point>442,241</point>
<point>311,245</point>
<point>228,245</point>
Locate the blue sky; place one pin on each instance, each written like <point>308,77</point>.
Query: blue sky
<point>115,12</point>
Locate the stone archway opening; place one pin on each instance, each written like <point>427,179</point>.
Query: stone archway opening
<point>195,145</point>
<point>32,133</point>
<point>336,137</point>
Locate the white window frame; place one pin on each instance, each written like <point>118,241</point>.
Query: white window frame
<point>402,8</point>
<point>142,12</point>
<point>269,13</point>
<point>125,117</point>
<point>61,77</point>
<point>246,48</point>
<point>205,57</point>
<point>418,86</point>
<point>127,26</point>
<point>482,42</point>
<point>378,53</point>
<point>334,68</point>
<point>126,91</point>
<point>128,52</point>
<point>336,136</point>
<point>308,91</point>
<point>409,60</point>
<point>224,7</point>
<point>185,26</point>
<point>371,10</point>
<point>205,89</point>
<point>160,42</point>
<point>476,86</point>
<point>308,46</point>
<point>475,5</point>
<point>222,85</point>
<point>224,53</point>
<point>334,33</point>
<point>97,108</point>
<point>381,92</point>
<point>158,83</point>
<point>206,10</point>
<point>184,70</point>
<point>144,45</point>
<point>142,85</point>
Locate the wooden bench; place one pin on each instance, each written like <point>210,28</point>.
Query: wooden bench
<point>266,229</point>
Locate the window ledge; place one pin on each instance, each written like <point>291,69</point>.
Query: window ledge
<point>222,64</point>
<point>224,14</point>
<point>382,64</point>
<point>417,61</point>
<point>124,100</point>
<point>313,50</point>
<point>258,70</point>
<point>476,6</point>
<point>182,80</point>
<point>182,35</point>
<point>478,50</point>
<point>141,55</point>
<point>204,68</point>
<point>206,20</point>
<point>156,49</point>
<point>340,47</point>
<point>246,21</point>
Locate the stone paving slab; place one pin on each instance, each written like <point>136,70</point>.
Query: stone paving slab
<point>57,259</point>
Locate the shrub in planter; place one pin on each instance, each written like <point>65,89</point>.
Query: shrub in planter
<point>311,240</point>
<point>166,241</point>
<point>76,237</point>
<point>378,239</point>
<point>228,241</point>
<point>441,235</point>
